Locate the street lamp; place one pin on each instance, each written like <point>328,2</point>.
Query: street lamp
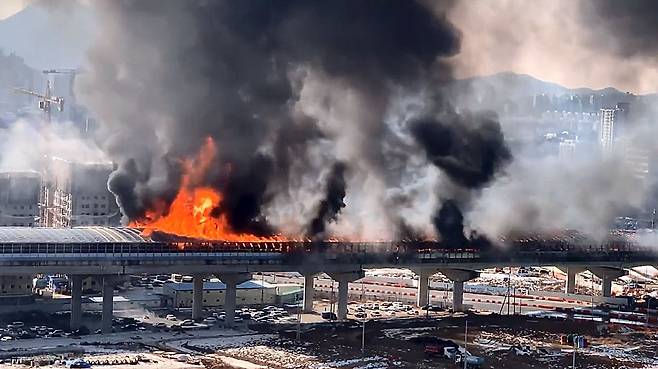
<point>363,337</point>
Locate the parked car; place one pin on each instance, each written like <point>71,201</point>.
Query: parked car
<point>15,325</point>
<point>210,320</point>
<point>328,315</point>
<point>171,317</point>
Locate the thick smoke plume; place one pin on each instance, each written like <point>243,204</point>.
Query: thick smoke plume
<point>470,149</point>
<point>289,91</point>
<point>333,203</point>
<point>284,89</point>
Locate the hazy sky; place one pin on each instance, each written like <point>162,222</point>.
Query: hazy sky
<point>548,39</point>
<point>46,37</point>
<point>11,7</point>
<point>562,41</point>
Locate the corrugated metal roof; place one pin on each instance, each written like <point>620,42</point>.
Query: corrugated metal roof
<point>216,286</point>
<point>70,235</point>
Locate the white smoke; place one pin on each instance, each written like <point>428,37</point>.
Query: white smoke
<point>27,145</point>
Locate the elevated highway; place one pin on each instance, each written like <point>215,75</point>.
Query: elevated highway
<point>99,250</point>
<point>112,252</point>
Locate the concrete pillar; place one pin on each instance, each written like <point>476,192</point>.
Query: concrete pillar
<point>570,286</point>
<point>607,275</point>
<point>422,294</point>
<point>308,292</point>
<point>344,279</point>
<point>343,297</point>
<point>231,280</point>
<point>108,304</point>
<point>229,302</point>
<point>197,296</point>
<point>76,301</point>
<point>458,296</point>
<point>572,273</point>
<point>458,277</point>
<point>606,286</point>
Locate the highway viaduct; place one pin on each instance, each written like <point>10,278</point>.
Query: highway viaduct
<point>113,252</point>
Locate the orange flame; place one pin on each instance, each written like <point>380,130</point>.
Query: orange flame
<point>190,214</point>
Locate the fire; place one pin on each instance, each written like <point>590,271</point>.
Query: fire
<point>191,212</point>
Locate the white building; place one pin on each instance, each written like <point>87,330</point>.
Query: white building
<point>567,150</point>
<point>179,295</point>
<point>607,129</point>
<point>611,125</point>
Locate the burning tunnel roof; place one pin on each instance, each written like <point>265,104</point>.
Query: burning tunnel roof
<point>81,235</point>
<point>70,235</point>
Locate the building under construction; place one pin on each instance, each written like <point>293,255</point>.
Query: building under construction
<point>76,194</point>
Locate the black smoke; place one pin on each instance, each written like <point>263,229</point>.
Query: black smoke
<point>470,149</point>
<point>449,223</point>
<point>166,74</point>
<point>332,203</point>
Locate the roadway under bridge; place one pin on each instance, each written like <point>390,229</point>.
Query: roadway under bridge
<point>112,252</point>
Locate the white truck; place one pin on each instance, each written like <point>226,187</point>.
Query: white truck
<point>459,355</point>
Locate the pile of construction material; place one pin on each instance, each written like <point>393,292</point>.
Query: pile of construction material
<point>115,359</point>
<point>35,361</point>
<point>215,362</point>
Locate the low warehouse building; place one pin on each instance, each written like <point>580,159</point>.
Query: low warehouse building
<point>179,295</point>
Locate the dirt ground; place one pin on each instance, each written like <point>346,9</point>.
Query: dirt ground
<point>514,342</point>
<point>504,341</point>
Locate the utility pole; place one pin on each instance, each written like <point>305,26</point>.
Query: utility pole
<point>573,365</point>
<point>509,284</point>
<point>363,291</point>
<point>262,290</point>
<point>591,287</point>
<point>299,323</point>
<point>363,338</point>
<point>575,348</point>
<point>331,298</point>
<point>465,344</point>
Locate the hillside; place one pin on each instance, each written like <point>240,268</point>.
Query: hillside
<point>48,38</point>
<point>521,94</point>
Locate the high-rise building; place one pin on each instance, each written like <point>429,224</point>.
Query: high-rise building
<point>76,194</point>
<point>611,125</point>
<point>19,199</point>
<point>567,150</point>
